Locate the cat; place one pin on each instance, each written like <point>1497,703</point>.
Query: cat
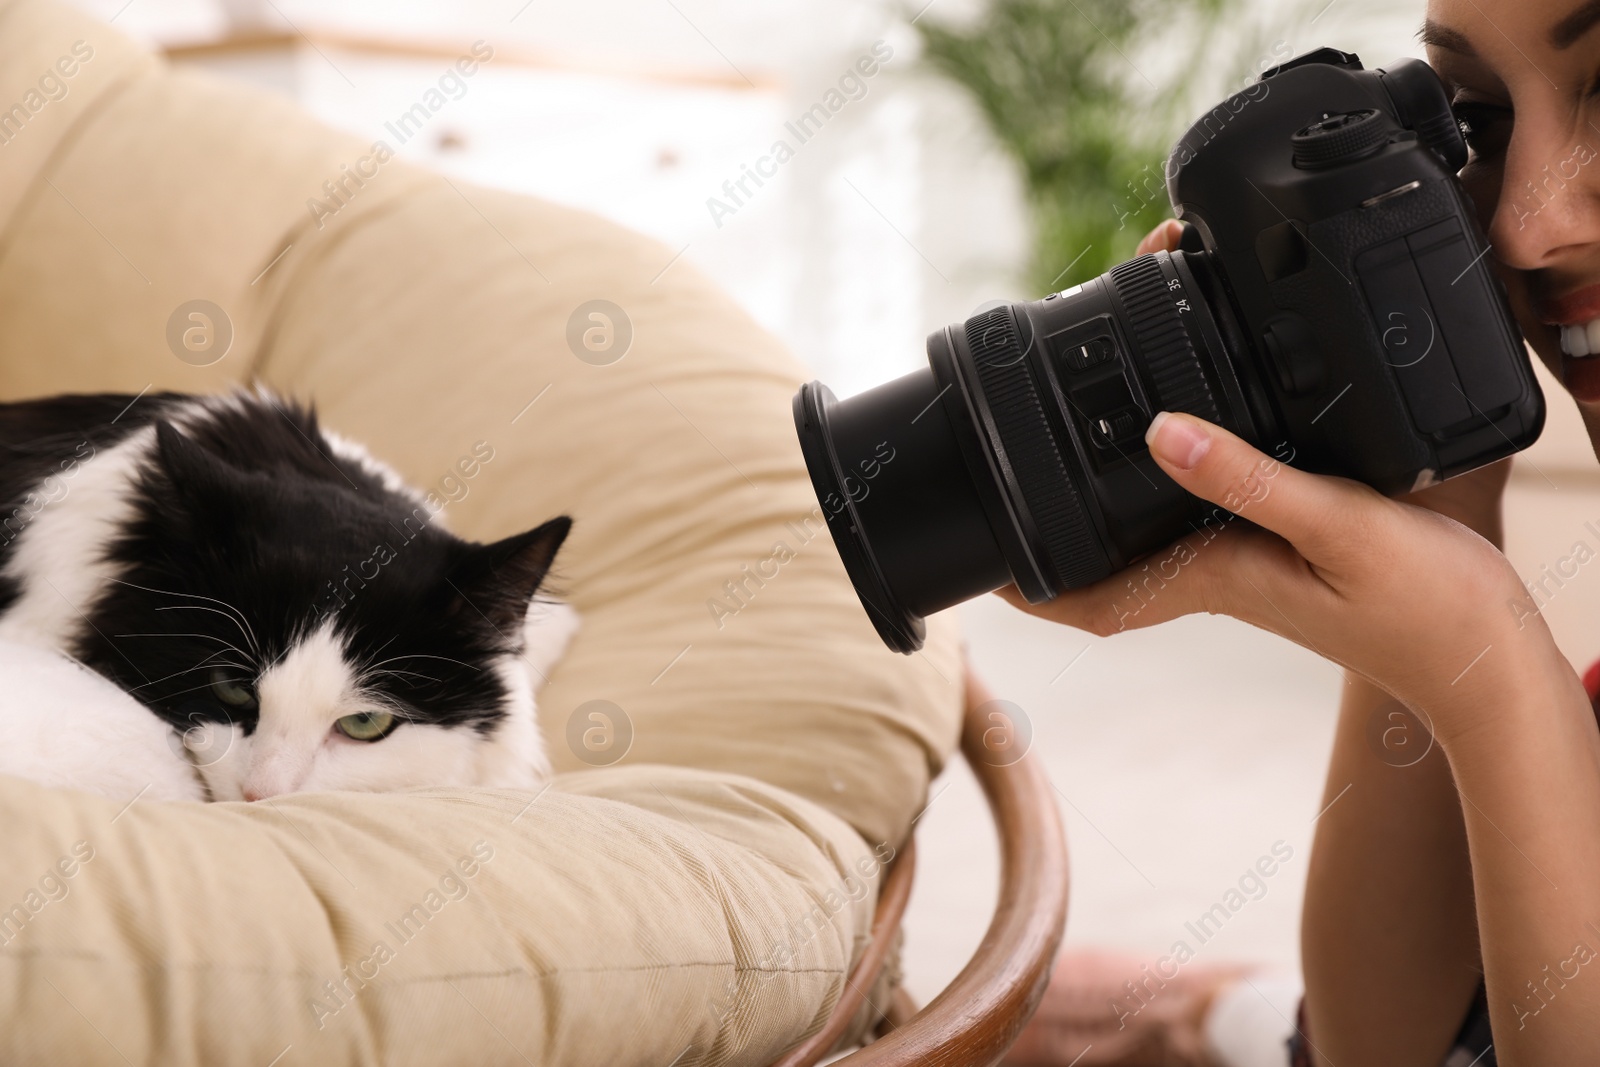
<point>291,613</point>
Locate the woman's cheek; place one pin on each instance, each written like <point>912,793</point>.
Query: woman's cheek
<point>1545,342</point>
<point>1483,183</point>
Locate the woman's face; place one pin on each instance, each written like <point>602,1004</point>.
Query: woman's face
<point>1525,77</point>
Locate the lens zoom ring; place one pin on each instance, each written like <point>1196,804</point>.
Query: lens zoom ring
<point>1048,488</point>
<point>1169,355</point>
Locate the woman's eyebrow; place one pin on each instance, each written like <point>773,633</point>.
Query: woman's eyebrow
<point>1566,33</point>
<point>1439,36</point>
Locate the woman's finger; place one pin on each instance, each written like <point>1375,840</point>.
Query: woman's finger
<point>1320,516</point>
<point>1222,565</point>
<point>1164,238</point>
<point>1226,569</point>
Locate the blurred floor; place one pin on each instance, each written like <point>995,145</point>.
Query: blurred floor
<point>1181,755</point>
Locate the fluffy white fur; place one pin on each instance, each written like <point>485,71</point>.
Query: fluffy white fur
<point>64,725</point>
<point>357,453</point>
<point>58,556</point>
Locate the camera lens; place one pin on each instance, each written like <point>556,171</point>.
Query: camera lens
<point>899,501</point>
<point>1018,456</point>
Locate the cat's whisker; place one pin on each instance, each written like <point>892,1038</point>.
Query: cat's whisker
<point>249,637</point>
<point>394,707</point>
<point>370,674</point>
<point>420,655</point>
<point>207,662</point>
<point>244,676</point>
<point>204,637</point>
<point>413,674</point>
<point>184,692</point>
<point>374,666</point>
<point>238,616</point>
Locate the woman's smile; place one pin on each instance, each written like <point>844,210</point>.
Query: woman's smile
<point>1573,317</point>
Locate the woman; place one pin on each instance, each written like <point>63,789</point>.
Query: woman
<point>1478,868</point>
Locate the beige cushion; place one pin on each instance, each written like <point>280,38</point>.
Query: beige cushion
<point>706,892</point>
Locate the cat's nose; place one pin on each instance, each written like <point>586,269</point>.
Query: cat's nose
<point>255,789</point>
<point>273,773</point>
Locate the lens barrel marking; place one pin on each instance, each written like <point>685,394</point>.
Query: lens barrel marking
<point>1158,330</point>
<point>1048,491</point>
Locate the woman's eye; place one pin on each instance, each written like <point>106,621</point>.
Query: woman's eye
<point>234,692</point>
<point>366,726</point>
<point>1486,127</point>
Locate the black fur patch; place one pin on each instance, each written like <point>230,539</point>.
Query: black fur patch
<point>249,533</point>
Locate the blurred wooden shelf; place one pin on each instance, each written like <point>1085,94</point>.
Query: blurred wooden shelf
<point>243,42</point>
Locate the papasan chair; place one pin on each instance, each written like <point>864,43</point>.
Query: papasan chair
<point>701,882</point>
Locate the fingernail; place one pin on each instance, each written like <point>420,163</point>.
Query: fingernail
<point>1179,442</point>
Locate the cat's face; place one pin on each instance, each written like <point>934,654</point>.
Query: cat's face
<point>325,718</point>
<point>307,634</point>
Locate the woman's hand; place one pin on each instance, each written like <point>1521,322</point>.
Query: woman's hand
<point>1164,238</point>
<point>1408,598</point>
<point>1472,499</point>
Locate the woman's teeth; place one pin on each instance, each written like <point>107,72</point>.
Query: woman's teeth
<point>1581,340</point>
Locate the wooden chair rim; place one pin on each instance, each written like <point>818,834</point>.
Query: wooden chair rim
<point>978,1015</point>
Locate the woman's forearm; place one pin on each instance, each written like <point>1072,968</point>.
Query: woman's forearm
<point>1388,939</point>
<point>1526,762</point>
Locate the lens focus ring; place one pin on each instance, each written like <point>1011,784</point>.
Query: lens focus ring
<point>1168,352</point>
<point>1047,487</point>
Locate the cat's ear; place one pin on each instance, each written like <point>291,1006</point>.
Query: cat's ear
<point>195,472</point>
<point>499,579</point>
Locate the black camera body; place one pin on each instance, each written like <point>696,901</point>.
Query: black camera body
<point>1332,303</point>
<point>1383,259</point>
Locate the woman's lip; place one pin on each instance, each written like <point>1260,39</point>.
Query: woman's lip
<point>1580,376</point>
<point>1577,307</point>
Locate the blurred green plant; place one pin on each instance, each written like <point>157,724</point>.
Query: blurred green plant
<point>1074,90</point>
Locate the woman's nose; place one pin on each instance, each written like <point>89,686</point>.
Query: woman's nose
<point>1548,203</point>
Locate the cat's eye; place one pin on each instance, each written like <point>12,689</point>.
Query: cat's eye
<point>235,693</point>
<point>366,726</point>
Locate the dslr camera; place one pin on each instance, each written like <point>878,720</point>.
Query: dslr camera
<point>1331,303</point>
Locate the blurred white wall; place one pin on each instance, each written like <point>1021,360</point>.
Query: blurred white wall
<point>897,217</point>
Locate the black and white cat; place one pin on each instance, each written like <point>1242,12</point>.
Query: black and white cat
<point>283,611</point>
